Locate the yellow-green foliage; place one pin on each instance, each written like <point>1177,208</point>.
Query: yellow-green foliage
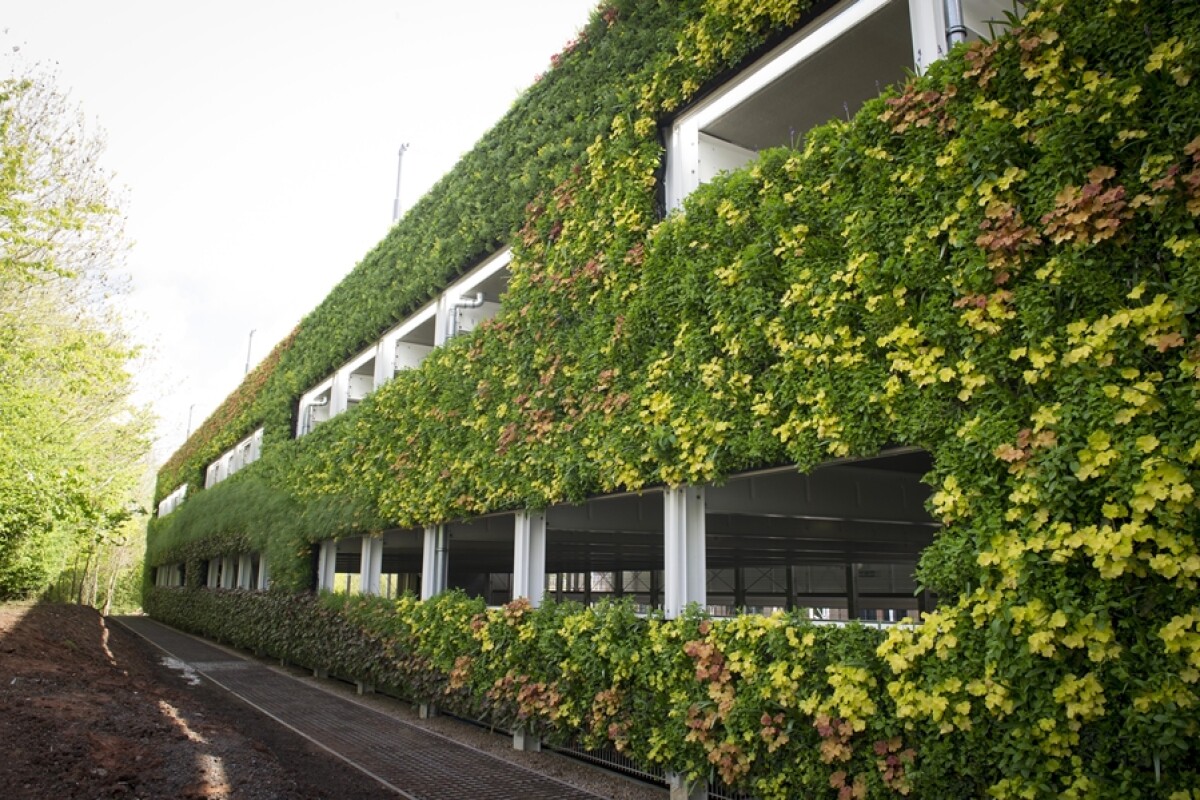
<point>999,262</point>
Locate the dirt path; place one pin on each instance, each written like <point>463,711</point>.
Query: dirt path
<point>88,711</point>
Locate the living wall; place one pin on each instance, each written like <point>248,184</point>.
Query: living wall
<point>998,262</point>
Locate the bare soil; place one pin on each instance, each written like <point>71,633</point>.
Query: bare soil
<point>88,710</point>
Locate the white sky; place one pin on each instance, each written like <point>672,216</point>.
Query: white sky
<point>257,140</point>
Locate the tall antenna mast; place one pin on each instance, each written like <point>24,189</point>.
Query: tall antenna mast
<point>396,202</point>
<point>249,344</point>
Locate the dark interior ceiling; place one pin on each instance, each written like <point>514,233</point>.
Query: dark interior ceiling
<point>862,511</point>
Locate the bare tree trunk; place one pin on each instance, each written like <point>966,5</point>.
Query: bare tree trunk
<point>75,576</point>
<point>87,565</point>
<point>96,577</point>
<point>112,587</point>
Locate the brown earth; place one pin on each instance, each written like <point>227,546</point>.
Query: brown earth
<point>88,710</point>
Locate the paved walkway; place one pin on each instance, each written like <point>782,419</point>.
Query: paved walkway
<point>413,762</point>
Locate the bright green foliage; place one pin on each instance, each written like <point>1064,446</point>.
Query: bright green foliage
<point>999,263</point>
<point>70,444</point>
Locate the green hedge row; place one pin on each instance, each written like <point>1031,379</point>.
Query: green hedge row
<point>687,694</point>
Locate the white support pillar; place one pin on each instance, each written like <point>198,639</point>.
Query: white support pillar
<point>371,565</point>
<point>339,393</point>
<point>245,567</point>
<point>264,575</point>
<point>683,161</point>
<point>927,20</point>
<point>214,573</point>
<point>227,572</point>
<point>441,321</point>
<point>525,742</point>
<point>529,556</point>
<point>434,561</point>
<point>529,581</point>
<point>385,360</point>
<point>681,789</point>
<point>326,565</point>
<point>684,558</point>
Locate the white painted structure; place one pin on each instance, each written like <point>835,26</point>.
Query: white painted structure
<point>326,565</point>
<point>529,556</point>
<point>237,458</point>
<point>465,304</point>
<point>434,561</point>
<point>169,575</point>
<point>685,567</point>
<point>228,572</point>
<point>172,501</point>
<point>825,71</point>
<point>456,314</point>
<point>245,571</point>
<point>371,566</point>
<point>836,536</point>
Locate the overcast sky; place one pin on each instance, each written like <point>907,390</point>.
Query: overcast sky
<point>258,139</point>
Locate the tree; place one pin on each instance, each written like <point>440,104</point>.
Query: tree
<point>71,442</point>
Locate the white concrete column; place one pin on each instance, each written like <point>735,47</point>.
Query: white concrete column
<point>526,742</point>
<point>683,161</point>
<point>385,360</point>
<point>529,556</point>
<point>927,19</point>
<point>214,573</point>
<point>371,565</point>
<point>434,561</point>
<point>682,790</point>
<point>227,575</point>
<point>245,567</point>
<point>441,321</point>
<point>264,575</point>
<point>339,392</point>
<point>326,565</point>
<point>684,558</point>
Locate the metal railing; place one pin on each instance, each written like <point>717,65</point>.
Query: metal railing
<point>609,758</point>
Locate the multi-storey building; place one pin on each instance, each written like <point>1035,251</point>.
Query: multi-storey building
<point>705,319</point>
<point>842,541</point>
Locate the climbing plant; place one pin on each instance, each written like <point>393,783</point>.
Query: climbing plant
<point>998,262</point>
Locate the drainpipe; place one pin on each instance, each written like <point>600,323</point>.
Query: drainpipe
<point>956,31</point>
<point>308,413</point>
<point>452,317</point>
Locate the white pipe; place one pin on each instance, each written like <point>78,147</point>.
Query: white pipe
<point>452,317</point>
<point>308,413</point>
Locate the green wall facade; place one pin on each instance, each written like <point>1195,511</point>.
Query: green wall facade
<point>998,262</point>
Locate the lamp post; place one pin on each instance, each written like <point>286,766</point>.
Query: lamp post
<point>399,164</point>
<point>249,344</point>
